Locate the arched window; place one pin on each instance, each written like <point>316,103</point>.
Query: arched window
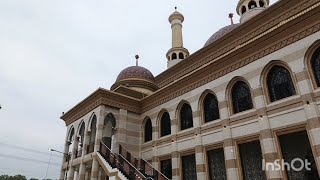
<point>279,83</point>
<point>148,131</point>
<point>71,135</point>
<point>186,120</point>
<point>241,97</point>
<point>261,3</point>
<point>93,129</point>
<point>252,5</point>
<point>181,56</point>
<point>210,108</point>
<point>315,63</point>
<point>108,130</point>
<point>174,56</point>
<point>243,9</point>
<point>165,124</point>
<point>81,134</point>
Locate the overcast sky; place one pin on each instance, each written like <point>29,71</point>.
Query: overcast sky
<point>54,53</point>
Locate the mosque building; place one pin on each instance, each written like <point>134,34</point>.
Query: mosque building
<point>245,102</point>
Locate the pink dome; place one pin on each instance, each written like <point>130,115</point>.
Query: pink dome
<point>220,33</point>
<point>135,72</point>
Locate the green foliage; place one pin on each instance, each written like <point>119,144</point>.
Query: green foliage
<point>16,177</point>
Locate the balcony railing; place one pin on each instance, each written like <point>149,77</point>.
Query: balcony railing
<point>119,162</point>
<point>90,148</point>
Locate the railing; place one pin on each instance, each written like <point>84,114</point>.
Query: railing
<point>118,161</point>
<point>144,166</point>
<point>78,153</point>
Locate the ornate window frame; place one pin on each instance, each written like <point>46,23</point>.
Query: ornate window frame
<point>201,106</point>
<point>308,59</point>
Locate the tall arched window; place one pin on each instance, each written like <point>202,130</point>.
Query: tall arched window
<point>241,97</point>
<point>279,83</point>
<point>165,124</point>
<point>174,56</point>
<point>148,131</point>
<point>93,127</point>
<point>315,63</point>
<point>210,108</point>
<point>81,134</point>
<point>252,4</point>
<point>186,120</point>
<point>181,56</point>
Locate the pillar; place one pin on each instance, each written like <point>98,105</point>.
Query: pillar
<point>66,150</point>
<point>95,163</point>
<point>267,141</point>
<point>72,156</point>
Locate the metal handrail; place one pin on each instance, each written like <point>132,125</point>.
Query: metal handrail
<point>149,164</point>
<point>124,159</point>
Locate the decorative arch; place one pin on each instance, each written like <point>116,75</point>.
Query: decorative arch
<point>164,123</point>
<point>275,75</point>
<point>261,3</point>
<point>185,116</point>
<point>81,125</point>
<point>252,5</point>
<point>147,127</point>
<point>181,56</point>
<point>312,61</point>
<point>90,120</point>
<point>209,106</point>
<point>71,135</point>
<point>239,95</point>
<point>108,130</point>
<point>174,56</point>
<point>243,9</point>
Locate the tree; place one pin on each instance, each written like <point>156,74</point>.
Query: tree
<point>16,177</point>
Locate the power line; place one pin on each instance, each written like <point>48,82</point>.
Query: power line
<point>27,149</point>
<point>27,159</point>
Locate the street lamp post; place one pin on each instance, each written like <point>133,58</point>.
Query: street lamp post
<point>68,159</point>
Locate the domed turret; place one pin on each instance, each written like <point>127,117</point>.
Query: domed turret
<point>249,8</point>
<point>137,78</point>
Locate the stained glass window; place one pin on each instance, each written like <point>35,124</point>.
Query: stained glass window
<point>148,131</point>
<point>211,108</point>
<point>166,168</point>
<point>251,161</point>
<point>241,97</point>
<point>315,63</point>
<point>165,124</point>
<point>279,83</point>
<point>189,167</point>
<point>217,168</point>
<point>186,117</point>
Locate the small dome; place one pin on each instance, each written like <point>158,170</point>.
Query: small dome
<point>220,33</point>
<point>135,72</point>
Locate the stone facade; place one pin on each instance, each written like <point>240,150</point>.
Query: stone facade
<point>287,41</point>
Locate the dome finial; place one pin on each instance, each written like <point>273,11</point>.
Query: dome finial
<point>137,60</point>
<point>231,18</point>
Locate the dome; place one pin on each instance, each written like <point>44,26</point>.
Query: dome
<point>136,78</point>
<point>220,33</point>
<point>135,72</point>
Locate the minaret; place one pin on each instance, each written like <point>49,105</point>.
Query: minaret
<point>177,53</point>
<point>249,8</point>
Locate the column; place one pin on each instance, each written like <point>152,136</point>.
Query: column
<point>228,144</point>
<point>72,156</point>
<point>64,159</point>
<point>267,141</point>
<point>311,110</point>
<point>175,155</point>
<point>82,169</point>
<point>95,163</point>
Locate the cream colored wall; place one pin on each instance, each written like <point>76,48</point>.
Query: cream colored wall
<point>292,55</point>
